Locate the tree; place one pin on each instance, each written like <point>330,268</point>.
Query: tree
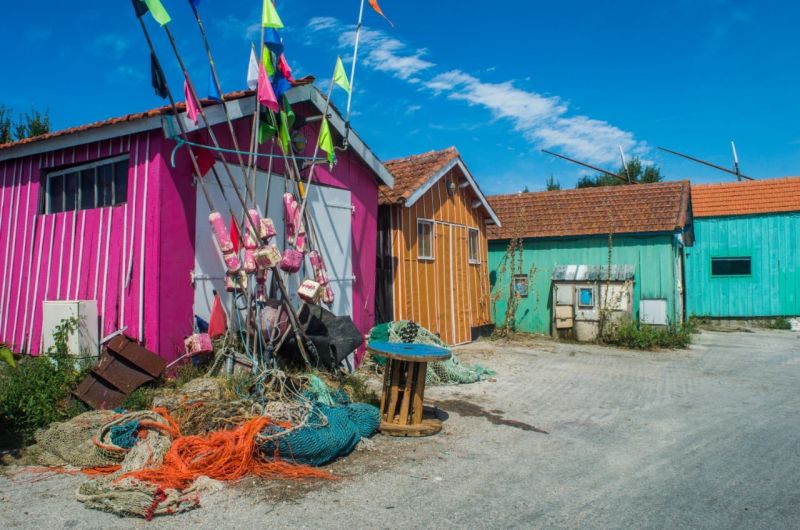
<point>552,184</point>
<point>28,125</point>
<point>639,174</point>
<point>525,189</point>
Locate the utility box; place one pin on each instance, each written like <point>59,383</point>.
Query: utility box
<point>583,294</point>
<point>84,341</point>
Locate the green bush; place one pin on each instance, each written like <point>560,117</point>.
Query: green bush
<point>778,323</point>
<point>637,336</point>
<point>36,392</point>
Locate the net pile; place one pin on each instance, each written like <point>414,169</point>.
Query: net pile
<point>333,428</point>
<point>446,372</point>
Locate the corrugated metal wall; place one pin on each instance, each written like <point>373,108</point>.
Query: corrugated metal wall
<point>447,295</point>
<point>654,258</point>
<point>773,289</point>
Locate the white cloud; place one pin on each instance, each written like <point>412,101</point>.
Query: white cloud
<point>111,45</point>
<point>544,121</point>
<point>233,26</point>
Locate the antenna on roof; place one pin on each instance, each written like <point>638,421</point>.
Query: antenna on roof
<point>736,172</point>
<point>584,164</point>
<point>736,161</point>
<point>625,164</point>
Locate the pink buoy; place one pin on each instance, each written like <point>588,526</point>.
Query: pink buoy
<point>250,238</point>
<point>267,257</point>
<point>310,291</point>
<point>267,228</point>
<point>220,231</point>
<point>232,262</point>
<point>292,260</point>
<point>249,260</point>
<point>327,296</point>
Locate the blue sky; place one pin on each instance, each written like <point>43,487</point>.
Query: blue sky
<point>499,80</point>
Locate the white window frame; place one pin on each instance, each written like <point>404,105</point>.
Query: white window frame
<point>432,224</point>
<point>476,260</point>
<point>47,209</point>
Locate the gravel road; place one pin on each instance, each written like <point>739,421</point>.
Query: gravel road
<point>708,437</point>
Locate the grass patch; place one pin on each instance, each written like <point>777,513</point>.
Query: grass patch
<point>635,336</point>
<point>778,323</point>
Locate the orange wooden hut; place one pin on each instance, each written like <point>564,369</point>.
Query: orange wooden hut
<point>432,247</point>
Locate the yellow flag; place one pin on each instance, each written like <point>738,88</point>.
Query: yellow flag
<point>326,142</point>
<point>269,16</point>
<point>340,76</point>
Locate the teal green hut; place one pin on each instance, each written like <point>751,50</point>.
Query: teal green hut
<point>643,228</point>
<point>746,261</point>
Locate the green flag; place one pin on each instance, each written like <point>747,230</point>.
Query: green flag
<point>287,118</point>
<point>340,77</point>
<point>266,58</point>
<point>326,142</point>
<point>267,127</point>
<point>269,16</point>
<point>158,11</point>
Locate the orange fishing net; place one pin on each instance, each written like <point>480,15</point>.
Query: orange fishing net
<point>221,455</point>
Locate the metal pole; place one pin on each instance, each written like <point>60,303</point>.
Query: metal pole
<point>316,147</point>
<point>210,130</point>
<point>584,164</point>
<point>625,165</point>
<point>353,73</point>
<point>709,164</point>
<point>736,162</point>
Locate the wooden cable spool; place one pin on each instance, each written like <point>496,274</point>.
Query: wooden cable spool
<point>402,407</point>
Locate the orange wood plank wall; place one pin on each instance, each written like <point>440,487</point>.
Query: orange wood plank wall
<point>447,294</point>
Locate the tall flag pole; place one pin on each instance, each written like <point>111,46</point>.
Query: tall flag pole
<point>377,8</point>
<point>353,72</point>
<point>215,80</point>
<point>324,133</point>
<point>162,89</point>
<point>210,130</point>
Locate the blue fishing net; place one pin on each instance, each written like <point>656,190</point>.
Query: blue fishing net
<point>320,442</point>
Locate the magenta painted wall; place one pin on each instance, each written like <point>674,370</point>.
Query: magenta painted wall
<point>83,255</point>
<point>63,256</point>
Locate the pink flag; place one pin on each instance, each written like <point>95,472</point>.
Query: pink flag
<point>266,95</point>
<point>192,108</point>
<point>284,68</point>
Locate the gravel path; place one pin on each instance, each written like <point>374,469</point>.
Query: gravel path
<point>708,437</point>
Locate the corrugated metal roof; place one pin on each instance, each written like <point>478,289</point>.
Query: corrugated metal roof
<point>590,273</point>
<point>746,198</point>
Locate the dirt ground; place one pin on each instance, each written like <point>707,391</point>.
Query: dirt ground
<point>565,435</point>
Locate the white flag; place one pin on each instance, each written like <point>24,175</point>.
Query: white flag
<point>252,71</point>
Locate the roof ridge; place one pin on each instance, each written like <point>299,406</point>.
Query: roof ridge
<point>596,189</point>
<point>424,155</point>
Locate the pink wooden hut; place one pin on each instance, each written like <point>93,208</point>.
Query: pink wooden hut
<point>99,213</point>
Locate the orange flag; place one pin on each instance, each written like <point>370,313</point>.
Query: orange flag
<point>377,8</point>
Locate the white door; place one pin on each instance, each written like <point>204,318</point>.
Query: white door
<point>330,210</point>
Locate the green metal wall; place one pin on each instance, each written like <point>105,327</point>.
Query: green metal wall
<point>655,257</point>
<point>773,289</point>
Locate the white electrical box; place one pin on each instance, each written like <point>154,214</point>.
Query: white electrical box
<point>653,311</point>
<point>84,341</point>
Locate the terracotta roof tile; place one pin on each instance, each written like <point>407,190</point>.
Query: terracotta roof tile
<point>121,119</point>
<point>746,198</point>
<point>412,172</point>
<point>641,208</point>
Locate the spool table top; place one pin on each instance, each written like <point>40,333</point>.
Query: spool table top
<point>402,351</point>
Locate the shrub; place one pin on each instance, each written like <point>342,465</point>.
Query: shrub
<point>778,323</point>
<point>637,336</point>
<point>36,392</point>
